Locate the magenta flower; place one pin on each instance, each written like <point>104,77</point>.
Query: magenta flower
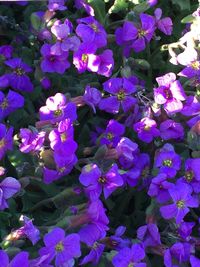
<point>8,187</point>
<point>122,89</point>
<point>95,181</point>
<point>6,140</point>
<point>146,129</point>
<point>165,25</point>
<point>10,103</point>
<point>91,31</point>
<point>18,79</point>
<point>52,62</point>
<point>190,59</point>
<point>182,201</point>
<point>170,93</point>
<point>130,257</point>
<point>21,259</point>
<point>62,248</point>
<point>170,129</point>
<point>57,108</point>
<point>31,141</point>
<point>106,63</point>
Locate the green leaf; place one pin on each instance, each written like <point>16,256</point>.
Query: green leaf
<point>119,5</point>
<point>35,21</point>
<point>187,19</point>
<point>99,9</point>
<point>183,4</point>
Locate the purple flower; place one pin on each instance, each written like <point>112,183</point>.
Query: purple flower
<point>52,62</point>
<point>112,134</point>
<point>56,5</point>
<point>65,42</point>
<point>169,93</point>
<point>170,129</point>
<point>106,63</point>
<point>57,108</point>
<point>177,254</point>
<point>149,235</point>
<point>91,31</point>
<point>190,59</point>
<point>6,140</point>
<point>191,106</point>
<point>130,257</point>
<point>46,83</point>
<point>83,4</point>
<point>122,89</point>
<point>60,247</point>
<point>85,58</point>
<point>152,2</point>
<point>185,230</point>
<point>90,235</point>
<point>4,81</point>
<point>10,103</point>
<point>92,177</point>
<point>146,129</point>
<point>116,242</point>
<point>159,188</point>
<point>92,97</point>
<point>28,230</point>
<point>31,141</point>
<point>62,136</point>
<point>182,198</point>
<point>18,79</point>
<point>168,162</point>
<point>6,51</point>
<point>194,261</point>
<point>136,38</point>
<point>21,259</point>
<point>8,187</point>
<point>165,25</point>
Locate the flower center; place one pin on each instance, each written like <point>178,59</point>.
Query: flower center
<point>167,162</point>
<point>84,58</point>
<point>61,170</point>
<point>195,65</point>
<point>189,176</point>
<point>121,95</point>
<point>63,137</point>
<point>52,58</point>
<point>2,143</point>
<point>110,136</point>
<point>19,71</point>
<point>131,264</point>
<point>114,243</point>
<point>4,104</point>
<point>95,245</point>
<point>102,180</point>
<point>141,33</point>
<point>59,247</point>
<point>57,112</point>
<point>147,128</point>
<point>180,204</point>
<point>168,94</point>
<point>94,27</point>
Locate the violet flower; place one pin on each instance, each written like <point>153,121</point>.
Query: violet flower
<point>91,31</point>
<point>194,261</point>
<point>182,198</point>
<point>53,63</point>
<point>21,259</point>
<point>18,79</point>
<point>111,135</point>
<point>92,177</point>
<point>62,248</point>
<point>185,230</point>
<point>54,5</point>
<point>31,141</point>
<point>170,93</point>
<point>106,63</point>
<point>165,25</point>
<point>149,235</point>
<point>58,108</point>
<point>146,129</point>
<point>6,51</point>
<point>122,89</point>
<point>83,4</point>
<point>130,257</point>
<point>170,129</point>
<point>10,103</point>
<point>8,187</point>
